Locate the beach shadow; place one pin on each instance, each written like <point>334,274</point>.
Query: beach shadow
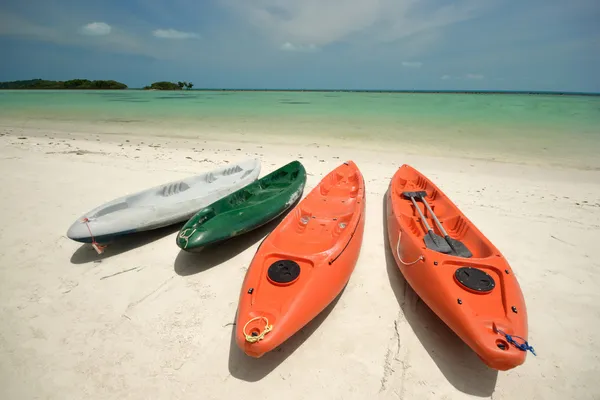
<point>250,369</point>
<point>460,365</point>
<point>86,252</point>
<point>189,263</point>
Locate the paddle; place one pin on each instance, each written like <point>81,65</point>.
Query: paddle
<point>458,248</point>
<point>432,240</point>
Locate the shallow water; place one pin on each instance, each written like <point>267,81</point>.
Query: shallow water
<point>558,129</point>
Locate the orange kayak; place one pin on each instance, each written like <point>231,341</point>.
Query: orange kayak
<point>304,263</point>
<point>456,270</point>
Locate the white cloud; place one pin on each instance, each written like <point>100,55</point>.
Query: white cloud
<point>174,34</point>
<point>474,76</point>
<point>96,29</point>
<point>58,30</point>
<point>446,77</point>
<point>412,64</point>
<point>321,22</point>
<point>287,46</point>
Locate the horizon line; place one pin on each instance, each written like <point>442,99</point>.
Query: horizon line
<point>555,92</point>
<point>349,90</point>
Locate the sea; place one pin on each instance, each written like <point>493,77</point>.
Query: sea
<point>554,129</point>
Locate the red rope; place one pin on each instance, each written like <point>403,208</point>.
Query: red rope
<point>97,246</point>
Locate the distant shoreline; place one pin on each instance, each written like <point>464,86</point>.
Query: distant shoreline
<point>481,92</point>
<point>403,91</point>
<point>507,92</point>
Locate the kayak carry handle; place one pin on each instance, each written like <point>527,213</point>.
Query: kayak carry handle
<point>255,337</point>
<point>510,339</point>
<point>400,258</point>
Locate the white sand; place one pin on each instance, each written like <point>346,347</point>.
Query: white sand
<point>144,321</point>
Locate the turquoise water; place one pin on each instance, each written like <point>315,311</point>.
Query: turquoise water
<point>557,127</point>
<point>543,110</point>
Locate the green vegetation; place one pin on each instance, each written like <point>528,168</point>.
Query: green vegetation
<point>163,85</point>
<point>87,84</point>
<point>71,84</point>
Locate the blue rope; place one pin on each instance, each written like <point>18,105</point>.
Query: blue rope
<point>521,346</point>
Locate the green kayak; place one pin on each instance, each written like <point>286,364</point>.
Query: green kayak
<point>245,209</point>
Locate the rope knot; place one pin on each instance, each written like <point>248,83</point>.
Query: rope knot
<point>256,338</point>
<point>182,235</point>
<point>97,246</point>
<point>521,346</point>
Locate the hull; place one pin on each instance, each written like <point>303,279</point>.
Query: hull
<point>304,263</point>
<point>478,297</point>
<point>246,209</point>
<point>163,205</point>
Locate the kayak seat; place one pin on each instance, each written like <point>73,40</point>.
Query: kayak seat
<point>262,195</point>
<point>240,197</point>
<point>318,232</point>
<point>416,229</point>
<point>329,207</point>
<point>111,209</point>
<point>329,182</point>
<point>272,185</point>
<point>458,228</point>
<point>275,179</point>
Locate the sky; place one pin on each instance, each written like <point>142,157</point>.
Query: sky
<point>543,45</point>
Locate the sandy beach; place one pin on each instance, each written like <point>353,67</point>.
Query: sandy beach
<point>146,321</point>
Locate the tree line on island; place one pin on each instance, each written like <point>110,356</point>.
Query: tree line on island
<point>70,84</point>
<point>74,84</point>
<point>164,85</point>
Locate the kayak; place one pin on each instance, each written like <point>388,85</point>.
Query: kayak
<point>304,263</point>
<point>245,209</point>
<point>456,270</point>
<point>162,205</point>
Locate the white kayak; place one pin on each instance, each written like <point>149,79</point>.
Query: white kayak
<point>162,205</point>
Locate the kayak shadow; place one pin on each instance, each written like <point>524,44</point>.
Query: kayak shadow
<point>458,362</point>
<point>250,369</point>
<point>189,263</point>
<point>86,252</point>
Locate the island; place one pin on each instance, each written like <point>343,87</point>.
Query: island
<point>164,85</point>
<point>70,84</point>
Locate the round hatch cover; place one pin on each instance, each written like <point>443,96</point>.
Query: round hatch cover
<point>474,279</point>
<point>284,271</point>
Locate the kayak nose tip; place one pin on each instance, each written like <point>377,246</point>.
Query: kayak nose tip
<point>253,338</point>
<point>500,352</point>
<point>255,349</point>
<point>187,236</point>
<point>77,230</point>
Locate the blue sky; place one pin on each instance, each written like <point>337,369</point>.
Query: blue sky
<point>343,44</point>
